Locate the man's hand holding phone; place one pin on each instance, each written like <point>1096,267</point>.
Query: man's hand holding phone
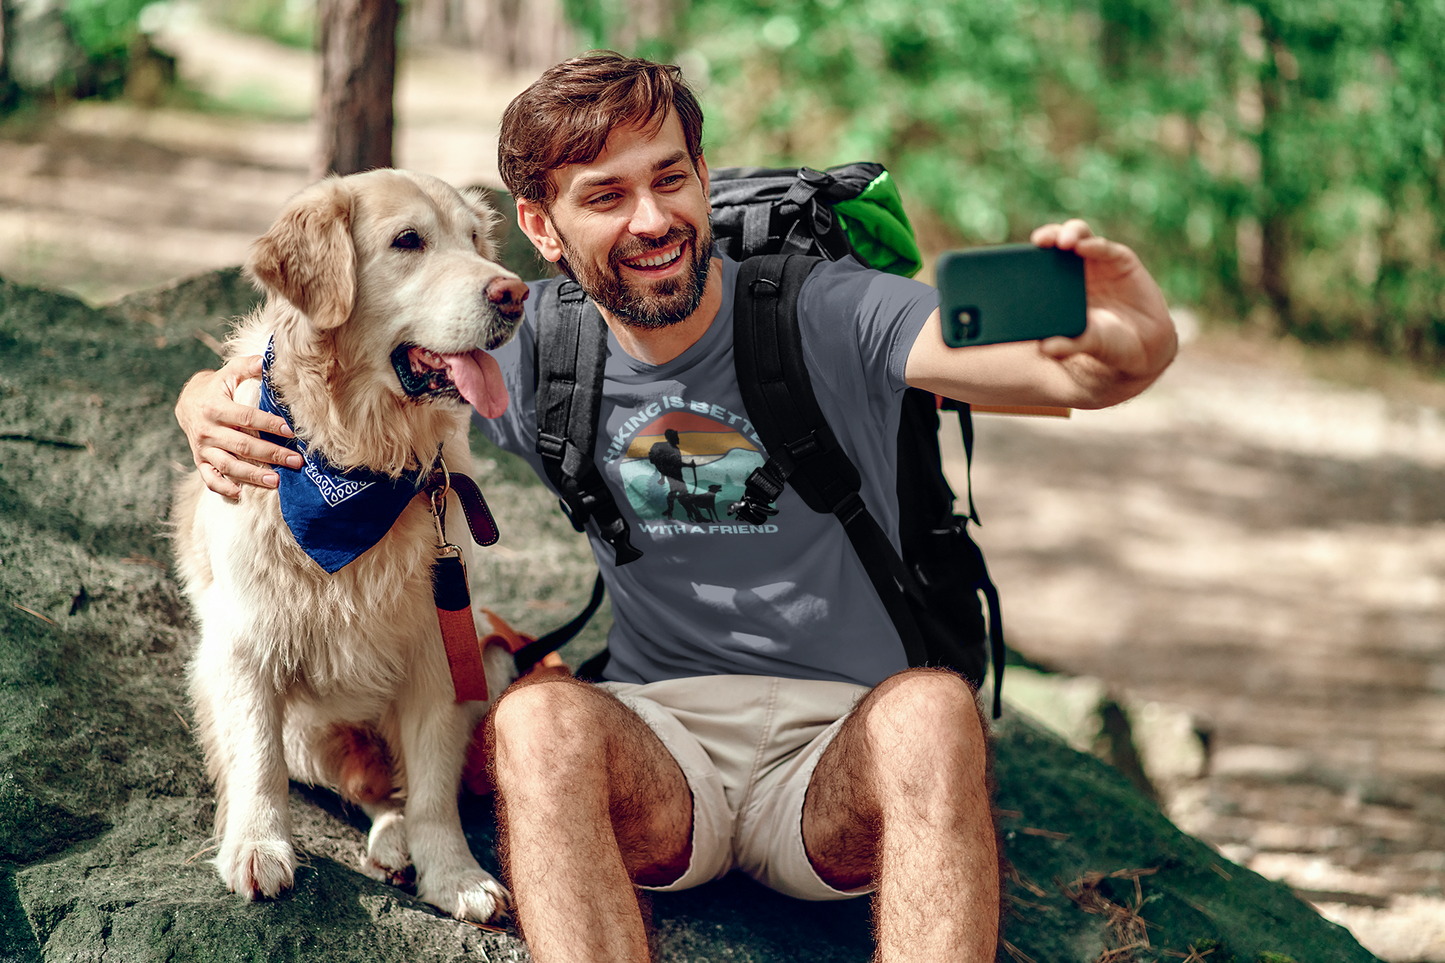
<point>1042,336</point>
<point>1129,330</point>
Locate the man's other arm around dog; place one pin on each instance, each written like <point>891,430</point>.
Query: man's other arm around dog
<point>222,432</point>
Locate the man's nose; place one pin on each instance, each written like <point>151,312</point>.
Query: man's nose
<point>648,218</point>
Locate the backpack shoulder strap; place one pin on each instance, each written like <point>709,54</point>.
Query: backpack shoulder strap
<point>802,450</point>
<point>571,356</point>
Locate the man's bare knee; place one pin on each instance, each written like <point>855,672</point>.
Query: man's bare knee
<point>924,714</point>
<point>558,717</point>
<point>551,706</point>
<point>567,737</point>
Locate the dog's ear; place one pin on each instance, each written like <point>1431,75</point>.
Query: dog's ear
<point>479,200</point>
<point>308,256</point>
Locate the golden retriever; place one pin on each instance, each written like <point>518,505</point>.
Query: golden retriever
<point>382,302</point>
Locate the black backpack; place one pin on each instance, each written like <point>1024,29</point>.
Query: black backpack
<point>775,222</point>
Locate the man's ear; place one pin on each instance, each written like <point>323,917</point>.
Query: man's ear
<point>307,257</point>
<point>537,225</point>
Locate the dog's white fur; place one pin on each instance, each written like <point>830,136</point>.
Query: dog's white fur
<point>341,679</point>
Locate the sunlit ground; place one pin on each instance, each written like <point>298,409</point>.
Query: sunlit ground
<point>1247,543</point>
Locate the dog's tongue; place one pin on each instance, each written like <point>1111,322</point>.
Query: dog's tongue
<point>479,379</point>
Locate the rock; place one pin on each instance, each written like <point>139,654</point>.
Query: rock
<point>1161,748</point>
<point>1071,707</point>
<point>105,814</point>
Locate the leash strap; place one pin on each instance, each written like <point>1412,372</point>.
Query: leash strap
<point>459,631</point>
<point>449,581</point>
<point>537,649</point>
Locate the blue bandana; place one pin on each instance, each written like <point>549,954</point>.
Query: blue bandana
<point>335,516</point>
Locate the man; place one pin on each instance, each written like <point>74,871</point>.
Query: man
<point>666,457</point>
<point>759,713</point>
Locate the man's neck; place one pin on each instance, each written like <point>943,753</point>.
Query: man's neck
<point>661,345</point>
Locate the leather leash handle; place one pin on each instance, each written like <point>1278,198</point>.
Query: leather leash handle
<point>450,593</point>
<point>479,517</point>
<point>459,631</point>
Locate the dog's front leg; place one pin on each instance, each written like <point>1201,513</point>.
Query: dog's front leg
<point>434,738</point>
<point>246,756</point>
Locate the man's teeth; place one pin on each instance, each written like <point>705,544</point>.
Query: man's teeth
<point>657,260</point>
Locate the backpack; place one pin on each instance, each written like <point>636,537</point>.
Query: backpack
<point>777,222</point>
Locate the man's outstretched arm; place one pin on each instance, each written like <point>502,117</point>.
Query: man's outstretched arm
<point>1128,342</point>
<point>222,432</point>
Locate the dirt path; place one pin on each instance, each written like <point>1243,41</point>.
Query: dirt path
<point>1263,550</point>
<point>105,199</point>
<point>1267,552</point>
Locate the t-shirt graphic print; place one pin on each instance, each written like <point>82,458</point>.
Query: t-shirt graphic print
<point>683,469</point>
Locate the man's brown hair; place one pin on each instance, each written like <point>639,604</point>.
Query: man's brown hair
<point>566,115</point>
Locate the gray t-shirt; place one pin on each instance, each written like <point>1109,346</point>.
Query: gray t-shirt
<point>711,595</point>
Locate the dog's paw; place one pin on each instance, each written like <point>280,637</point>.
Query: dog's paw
<point>387,857</point>
<point>387,872</point>
<point>471,895</point>
<point>257,868</point>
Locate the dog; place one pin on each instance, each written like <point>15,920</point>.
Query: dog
<point>382,300</point>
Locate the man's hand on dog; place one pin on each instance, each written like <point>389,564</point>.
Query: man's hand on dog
<point>222,433</point>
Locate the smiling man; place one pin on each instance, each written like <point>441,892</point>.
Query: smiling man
<point>758,712</point>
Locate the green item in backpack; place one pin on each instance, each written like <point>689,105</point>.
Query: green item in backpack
<point>878,227</point>
<point>851,209</point>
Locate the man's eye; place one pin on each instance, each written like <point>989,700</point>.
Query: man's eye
<point>408,240</point>
<point>602,200</point>
<point>674,180</point>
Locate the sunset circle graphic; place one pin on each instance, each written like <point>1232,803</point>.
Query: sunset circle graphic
<point>686,467</point>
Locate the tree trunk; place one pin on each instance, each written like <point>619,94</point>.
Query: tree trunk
<point>358,78</point>
<point>526,36</point>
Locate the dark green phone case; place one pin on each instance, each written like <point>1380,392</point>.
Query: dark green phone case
<point>1014,292</point>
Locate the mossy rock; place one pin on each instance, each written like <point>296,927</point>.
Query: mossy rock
<point>105,814</point>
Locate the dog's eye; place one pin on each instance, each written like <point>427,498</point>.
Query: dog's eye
<point>408,240</point>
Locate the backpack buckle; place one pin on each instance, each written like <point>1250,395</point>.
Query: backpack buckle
<point>762,488</point>
<point>752,512</point>
<point>550,446</point>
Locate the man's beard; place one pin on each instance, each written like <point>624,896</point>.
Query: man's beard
<point>661,305</point>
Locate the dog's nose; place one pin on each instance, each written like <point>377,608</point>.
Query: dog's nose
<point>506,291</point>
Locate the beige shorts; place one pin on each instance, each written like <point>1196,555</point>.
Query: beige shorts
<point>747,745</point>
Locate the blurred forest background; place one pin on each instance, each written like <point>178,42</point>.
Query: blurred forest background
<point>1253,549</point>
<point>1280,163</point>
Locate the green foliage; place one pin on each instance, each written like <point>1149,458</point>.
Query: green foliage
<point>1280,159</point>
<point>73,49</point>
<point>104,29</point>
<point>289,22</point>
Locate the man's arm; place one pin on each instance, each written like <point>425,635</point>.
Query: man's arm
<point>221,431</point>
<point>1128,342</point>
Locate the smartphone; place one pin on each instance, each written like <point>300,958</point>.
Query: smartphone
<point>1014,292</point>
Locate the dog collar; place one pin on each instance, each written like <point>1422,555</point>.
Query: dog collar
<point>335,516</point>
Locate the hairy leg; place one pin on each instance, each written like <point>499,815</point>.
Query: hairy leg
<point>902,797</point>
<point>589,802</point>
